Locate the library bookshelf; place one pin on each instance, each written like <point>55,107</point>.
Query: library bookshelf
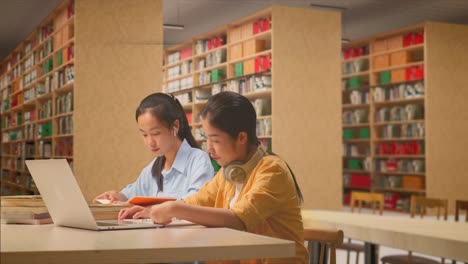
<point>87,115</point>
<point>272,59</point>
<point>36,89</point>
<point>402,122</point>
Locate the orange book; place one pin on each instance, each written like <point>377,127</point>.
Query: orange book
<point>146,201</point>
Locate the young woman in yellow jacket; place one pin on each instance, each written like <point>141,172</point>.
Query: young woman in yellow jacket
<point>253,191</point>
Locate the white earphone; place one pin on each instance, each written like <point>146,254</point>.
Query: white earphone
<point>237,171</point>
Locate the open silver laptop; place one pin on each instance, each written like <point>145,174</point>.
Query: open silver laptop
<point>65,201</point>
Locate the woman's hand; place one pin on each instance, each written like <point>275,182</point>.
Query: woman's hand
<point>112,196</point>
<point>134,212</point>
<point>163,213</point>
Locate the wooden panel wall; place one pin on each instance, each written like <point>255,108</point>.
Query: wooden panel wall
<point>118,54</point>
<point>447,111</point>
<point>306,101</point>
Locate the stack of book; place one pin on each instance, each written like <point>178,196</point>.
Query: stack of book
<point>24,209</point>
<point>30,209</point>
<point>106,211</point>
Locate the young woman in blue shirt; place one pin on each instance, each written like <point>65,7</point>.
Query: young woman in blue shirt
<point>180,168</point>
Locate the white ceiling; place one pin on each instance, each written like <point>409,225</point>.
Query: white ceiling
<point>360,19</point>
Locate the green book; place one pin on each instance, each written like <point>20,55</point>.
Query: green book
<point>385,77</point>
<point>348,133</point>
<point>59,58</point>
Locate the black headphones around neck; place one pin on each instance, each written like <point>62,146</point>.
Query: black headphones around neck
<point>237,171</point>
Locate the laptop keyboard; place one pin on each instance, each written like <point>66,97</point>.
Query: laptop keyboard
<point>125,222</point>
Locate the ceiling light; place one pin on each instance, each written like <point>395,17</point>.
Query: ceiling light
<point>328,7</point>
<point>173,26</point>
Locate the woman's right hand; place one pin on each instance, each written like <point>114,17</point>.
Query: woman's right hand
<point>134,212</point>
<point>112,196</point>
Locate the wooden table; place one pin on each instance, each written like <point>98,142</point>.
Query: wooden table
<point>427,236</point>
<point>54,244</point>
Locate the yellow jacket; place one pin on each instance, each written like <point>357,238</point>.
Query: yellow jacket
<point>267,204</point>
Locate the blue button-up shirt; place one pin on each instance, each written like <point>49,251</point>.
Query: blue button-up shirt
<point>190,171</point>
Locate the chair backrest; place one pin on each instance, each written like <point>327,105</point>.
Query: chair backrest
<point>424,202</point>
<point>332,238</point>
<point>369,197</point>
<point>461,205</point>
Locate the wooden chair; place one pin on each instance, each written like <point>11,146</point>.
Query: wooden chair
<point>360,197</point>
<point>461,205</point>
<point>422,203</point>
<point>332,238</point>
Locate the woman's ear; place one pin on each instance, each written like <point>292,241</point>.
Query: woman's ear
<point>242,138</point>
<point>176,127</point>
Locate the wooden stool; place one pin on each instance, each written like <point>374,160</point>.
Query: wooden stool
<point>360,197</point>
<point>461,205</point>
<point>423,203</point>
<point>333,238</point>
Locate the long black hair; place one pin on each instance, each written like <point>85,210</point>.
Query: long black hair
<point>233,113</point>
<point>167,110</point>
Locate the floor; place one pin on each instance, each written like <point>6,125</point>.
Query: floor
<point>383,251</point>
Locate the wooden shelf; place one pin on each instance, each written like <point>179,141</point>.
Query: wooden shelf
<point>396,83</point>
<point>15,185</point>
<point>264,117</point>
<point>400,101</point>
<point>356,157</point>
<point>354,106</point>
<point>176,63</point>
<point>363,57</point>
<point>262,35</point>
<point>356,171</point>
<point>397,139</point>
<point>400,190</point>
<point>346,76</point>
<point>68,87</point>
<point>10,156</point>
<point>44,97</point>
<point>179,77</point>
<point>399,122</point>
<point>44,120</point>
<point>230,79</point>
<point>400,156</point>
<point>356,188</point>
<point>402,66</point>
<point>262,53</point>
<point>258,94</point>
<point>400,173</point>
<point>187,107</point>
<point>357,140</point>
<point>356,125</point>
<point>12,128</point>
<point>206,69</point>
<point>204,54</point>
<point>62,136</point>
<point>409,48</point>
<point>361,88</point>
<point>63,115</point>
<point>200,103</point>
<point>63,157</point>
<point>13,141</point>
